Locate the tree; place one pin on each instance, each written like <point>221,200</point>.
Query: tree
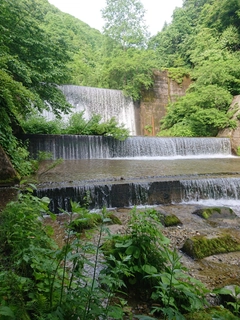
<point>32,63</point>
<point>130,70</point>
<point>125,23</point>
<point>128,66</point>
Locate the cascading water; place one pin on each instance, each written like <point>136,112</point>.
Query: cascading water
<point>217,188</point>
<point>108,103</point>
<point>212,192</point>
<point>137,171</point>
<point>73,147</point>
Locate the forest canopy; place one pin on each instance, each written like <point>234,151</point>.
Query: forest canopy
<point>42,47</point>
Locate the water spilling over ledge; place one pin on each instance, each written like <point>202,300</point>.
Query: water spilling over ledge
<point>106,172</point>
<point>74,147</point>
<point>146,192</point>
<point>108,103</point>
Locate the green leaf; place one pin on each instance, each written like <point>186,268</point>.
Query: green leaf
<point>6,311</point>
<point>149,269</point>
<point>133,250</point>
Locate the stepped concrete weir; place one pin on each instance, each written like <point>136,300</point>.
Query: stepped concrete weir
<point>104,172</point>
<point>75,147</point>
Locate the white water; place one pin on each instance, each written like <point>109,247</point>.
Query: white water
<point>211,188</point>
<point>74,147</point>
<point>230,203</point>
<point>178,157</point>
<point>108,103</point>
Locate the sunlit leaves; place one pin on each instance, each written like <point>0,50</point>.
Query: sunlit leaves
<point>124,22</point>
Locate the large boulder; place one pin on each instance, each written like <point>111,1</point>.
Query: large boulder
<point>8,175</point>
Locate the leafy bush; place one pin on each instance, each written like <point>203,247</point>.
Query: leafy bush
<point>38,280</point>
<point>201,112</point>
<point>76,124</point>
<point>39,125</point>
<point>153,268</point>
<point>142,244</point>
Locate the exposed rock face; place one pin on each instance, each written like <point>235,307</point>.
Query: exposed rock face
<point>234,134</point>
<point>8,176</point>
<point>155,100</point>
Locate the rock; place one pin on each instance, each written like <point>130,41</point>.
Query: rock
<point>199,247</point>
<point>8,175</point>
<point>215,212</point>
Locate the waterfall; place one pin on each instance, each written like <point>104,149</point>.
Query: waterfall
<point>115,173</point>
<point>129,194</point>
<point>217,188</point>
<point>74,147</point>
<point>106,102</point>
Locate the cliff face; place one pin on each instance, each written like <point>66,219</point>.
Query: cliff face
<point>155,100</point>
<point>233,134</point>
<point>8,175</point>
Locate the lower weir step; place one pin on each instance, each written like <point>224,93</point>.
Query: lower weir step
<point>127,194</point>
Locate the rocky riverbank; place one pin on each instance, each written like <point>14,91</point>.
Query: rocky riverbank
<point>214,271</point>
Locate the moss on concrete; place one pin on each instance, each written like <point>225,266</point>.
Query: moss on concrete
<point>215,212</point>
<point>171,220</point>
<point>199,247</point>
<point>212,313</point>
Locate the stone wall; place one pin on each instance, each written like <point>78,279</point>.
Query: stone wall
<point>8,175</point>
<point>155,100</point>
<point>234,134</point>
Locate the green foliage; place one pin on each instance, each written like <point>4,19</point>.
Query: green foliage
<point>83,43</point>
<point>178,74</point>
<point>238,151</point>
<point>152,268</point>
<point>178,292</point>
<point>234,293</point>
<point>124,23</point>
<point>30,71</point>
<point>39,125</point>
<point>203,38</point>
<point>78,125</point>
<point>38,280</point>
<point>138,248</point>
<point>129,70</point>
<point>201,112</point>
<point>83,219</point>
<point>126,64</point>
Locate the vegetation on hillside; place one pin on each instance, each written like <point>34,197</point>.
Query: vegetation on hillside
<point>203,38</point>
<point>41,279</point>
<point>41,47</point>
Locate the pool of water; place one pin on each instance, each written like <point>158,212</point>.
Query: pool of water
<point>80,171</point>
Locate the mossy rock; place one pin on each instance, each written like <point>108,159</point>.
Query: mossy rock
<point>199,247</point>
<point>171,220</point>
<point>212,313</point>
<point>91,220</point>
<point>113,218</point>
<point>215,212</point>
<point>168,220</point>
<point>87,221</point>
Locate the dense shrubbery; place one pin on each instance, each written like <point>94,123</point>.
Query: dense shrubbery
<point>39,280</point>
<point>76,124</point>
<point>153,270</point>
